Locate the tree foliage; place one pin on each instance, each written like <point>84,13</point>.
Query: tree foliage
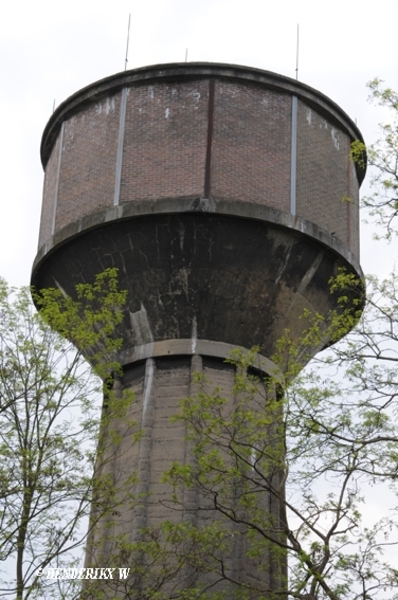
<point>49,417</point>
<point>382,204</point>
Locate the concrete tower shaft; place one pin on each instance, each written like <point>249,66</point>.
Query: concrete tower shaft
<point>227,198</point>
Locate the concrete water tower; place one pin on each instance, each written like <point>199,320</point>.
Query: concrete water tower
<point>219,192</point>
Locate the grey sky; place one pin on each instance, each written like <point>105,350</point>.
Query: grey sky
<point>48,50</point>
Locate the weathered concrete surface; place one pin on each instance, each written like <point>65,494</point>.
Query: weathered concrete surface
<point>204,276</point>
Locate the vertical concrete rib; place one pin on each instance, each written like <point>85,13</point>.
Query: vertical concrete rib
<point>210,128</point>
<point>190,500</point>
<point>293,158</point>
<point>61,143</point>
<point>119,155</point>
<point>145,444</point>
<point>349,201</point>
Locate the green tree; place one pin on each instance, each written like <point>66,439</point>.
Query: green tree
<point>382,204</point>
<point>49,427</point>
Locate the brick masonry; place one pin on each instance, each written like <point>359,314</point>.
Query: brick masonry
<point>88,161</point>
<point>327,187</point>
<point>165,141</point>
<point>147,500</point>
<point>251,148</point>
<point>49,194</point>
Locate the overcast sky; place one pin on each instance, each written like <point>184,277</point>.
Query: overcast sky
<point>48,50</point>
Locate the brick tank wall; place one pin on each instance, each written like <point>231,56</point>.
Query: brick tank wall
<point>188,138</point>
<point>86,163</point>
<point>251,147</point>
<point>322,174</point>
<point>165,141</point>
<point>87,178</point>
<point>49,194</point>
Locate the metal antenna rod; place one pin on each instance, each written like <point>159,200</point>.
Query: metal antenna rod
<point>297,50</point>
<point>186,55</point>
<point>127,47</point>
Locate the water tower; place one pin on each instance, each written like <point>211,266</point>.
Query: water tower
<point>221,194</point>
